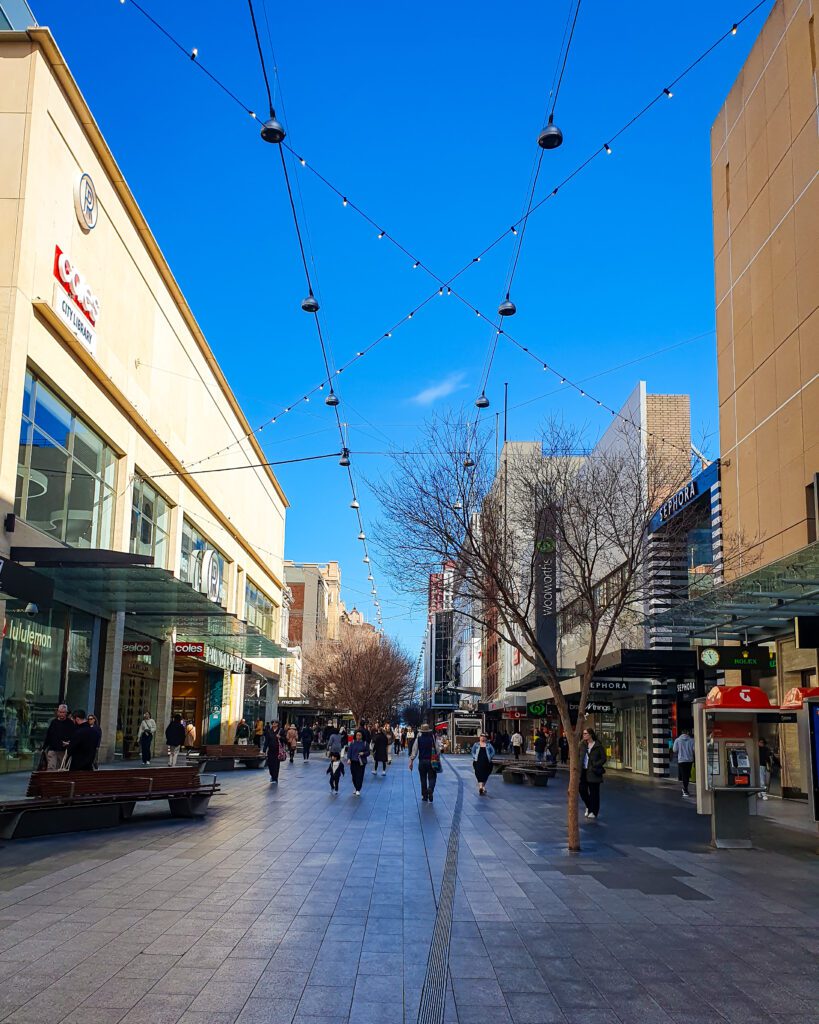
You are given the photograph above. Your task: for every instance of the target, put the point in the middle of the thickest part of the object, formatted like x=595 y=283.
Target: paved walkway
x=290 y=904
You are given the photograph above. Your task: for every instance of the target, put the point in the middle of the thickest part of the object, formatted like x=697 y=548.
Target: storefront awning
x=763 y=603
x=154 y=601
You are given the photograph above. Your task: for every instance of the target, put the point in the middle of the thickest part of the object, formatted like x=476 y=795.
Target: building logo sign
x=136 y=647
x=74 y=301
x=193 y=650
x=210 y=577
x=679 y=500
x=86 y=204
x=609 y=684
x=759 y=658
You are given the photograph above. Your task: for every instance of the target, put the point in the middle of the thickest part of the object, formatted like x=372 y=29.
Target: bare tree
x=367 y=674
x=450 y=504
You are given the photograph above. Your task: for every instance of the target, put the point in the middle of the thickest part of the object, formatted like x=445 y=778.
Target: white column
x=112 y=672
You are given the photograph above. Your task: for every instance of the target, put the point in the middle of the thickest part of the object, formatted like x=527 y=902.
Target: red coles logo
x=76 y=285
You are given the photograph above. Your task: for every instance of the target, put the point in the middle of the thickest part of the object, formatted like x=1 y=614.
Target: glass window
x=30 y=684
x=194 y=545
x=149 y=522
x=65 y=474
x=260 y=610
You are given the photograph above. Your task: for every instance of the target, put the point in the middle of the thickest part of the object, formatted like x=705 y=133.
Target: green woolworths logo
x=545 y=546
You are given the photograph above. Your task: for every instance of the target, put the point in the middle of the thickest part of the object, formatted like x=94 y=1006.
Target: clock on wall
x=709 y=657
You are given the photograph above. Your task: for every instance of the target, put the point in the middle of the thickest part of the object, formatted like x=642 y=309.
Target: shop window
x=150 y=522
x=259 y=610
x=65 y=473
x=194 y=546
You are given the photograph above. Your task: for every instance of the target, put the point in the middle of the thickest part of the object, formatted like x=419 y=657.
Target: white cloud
x=454 y=382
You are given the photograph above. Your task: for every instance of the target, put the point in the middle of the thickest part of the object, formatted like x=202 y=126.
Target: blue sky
x=426 y=116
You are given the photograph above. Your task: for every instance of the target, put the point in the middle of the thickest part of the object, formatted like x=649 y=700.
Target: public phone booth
x=726 y=751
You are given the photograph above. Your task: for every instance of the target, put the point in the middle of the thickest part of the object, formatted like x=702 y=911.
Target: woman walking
x=357 y=752
x=275 y=753
x=292 y=739
x=380 y=748
x=483 y=753
x=145 y=735
x=591 y=773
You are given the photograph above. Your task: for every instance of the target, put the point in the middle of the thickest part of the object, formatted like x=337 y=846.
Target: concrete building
x=765 y=183
x=126 y=582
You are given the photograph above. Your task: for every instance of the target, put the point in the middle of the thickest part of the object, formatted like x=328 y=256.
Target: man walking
x=57 y=737
x=174 y=737
x=684 y=749
x=82 y=749
x=517 y=744
x=307 y=737
x=425 y=749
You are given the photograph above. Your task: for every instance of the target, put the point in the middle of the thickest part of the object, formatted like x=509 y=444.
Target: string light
x=607 y=148
x=194 y=53
x=667 y=91
x=344 y=201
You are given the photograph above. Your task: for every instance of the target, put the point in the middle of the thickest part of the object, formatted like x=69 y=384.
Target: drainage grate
x=433 y=994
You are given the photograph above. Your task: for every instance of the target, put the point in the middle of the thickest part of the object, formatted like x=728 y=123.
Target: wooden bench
x=529 y=775
x=223 y=756
x=59 y=802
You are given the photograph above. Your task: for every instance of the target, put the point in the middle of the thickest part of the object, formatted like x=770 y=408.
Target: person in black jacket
x=425 y=749
x=174 y=737
x=593 y=760
x=82 y=749
x=57 y=737
x=273 y=748
x=307 y=737
x=94 y=724
x=380 y=748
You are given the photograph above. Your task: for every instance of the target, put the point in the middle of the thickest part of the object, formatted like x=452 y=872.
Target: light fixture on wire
x=482 y=402
x=507 y=307
x=458 y=506
x=354 y=503
x=310 y=304
x=607 y=148
x=366 y=559
x=468 y=462
x=362 y=536
x=551 y=137
x=272 y=130
x=668 y=93
x=371 y=577
x=345 y=457
x=332 y=398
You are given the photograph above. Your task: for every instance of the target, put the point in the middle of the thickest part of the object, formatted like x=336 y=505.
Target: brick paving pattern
x=290 y=904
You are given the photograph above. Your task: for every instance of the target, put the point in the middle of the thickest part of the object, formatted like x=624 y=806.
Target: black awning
x=638 y=663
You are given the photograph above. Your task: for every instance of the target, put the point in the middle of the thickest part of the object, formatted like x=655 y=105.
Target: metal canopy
x=155 y=602
x=630 y=663
x=754 y=606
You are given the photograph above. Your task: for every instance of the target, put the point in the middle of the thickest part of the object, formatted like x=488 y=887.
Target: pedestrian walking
x=307 y=737
x=145 y=736
x=335 y=770
x=94 y=725
x=765 y=766
x=396 y=741
x=174 y=737
x=258 y=733
x=242 y=733
x=82 y=748
x=292 y=739
x=335 y=744
x=591 y=772
x=58 y=736
x=425 y=749
x=563 y=746
x=683 y=748
x=380 y=746
x=517 y=744
x=483 y=753
x=275 y=753
x=357 y=752
x=190 y=736
x=541 y=744
x=403 y=739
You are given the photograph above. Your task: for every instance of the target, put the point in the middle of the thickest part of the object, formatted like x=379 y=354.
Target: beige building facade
x=765 y=180
x=111 y=398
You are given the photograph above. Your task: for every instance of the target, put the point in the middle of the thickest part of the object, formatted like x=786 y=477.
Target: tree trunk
x=573 y=821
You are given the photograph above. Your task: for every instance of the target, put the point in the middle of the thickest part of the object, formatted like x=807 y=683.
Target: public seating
x=58 y=802
x=529 y=775
x=216 y=757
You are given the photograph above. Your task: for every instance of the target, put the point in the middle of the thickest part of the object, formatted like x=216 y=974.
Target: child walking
x=335 y=770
